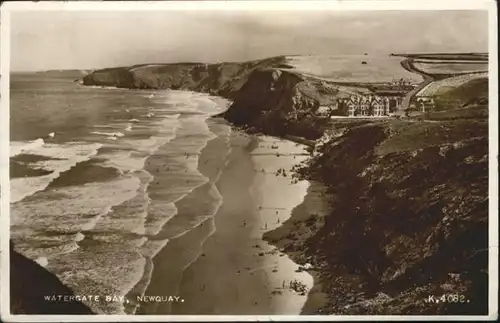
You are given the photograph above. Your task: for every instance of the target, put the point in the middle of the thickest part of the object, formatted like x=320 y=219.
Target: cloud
x=50 y=40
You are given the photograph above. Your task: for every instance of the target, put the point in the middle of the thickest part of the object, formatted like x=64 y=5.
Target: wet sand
x=224 y=266
x=306 y=219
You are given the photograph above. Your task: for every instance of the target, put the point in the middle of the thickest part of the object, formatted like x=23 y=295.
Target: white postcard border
x=8 y=7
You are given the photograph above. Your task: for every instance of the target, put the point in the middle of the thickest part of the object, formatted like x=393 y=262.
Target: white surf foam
x=42 y=261
x=111 y=269
x=65 y=157
x=19 y=147
x=109 y=134
x=73 y=208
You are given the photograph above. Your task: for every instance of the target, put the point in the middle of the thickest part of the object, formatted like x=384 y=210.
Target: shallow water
x=116 y=162
x=121 y=196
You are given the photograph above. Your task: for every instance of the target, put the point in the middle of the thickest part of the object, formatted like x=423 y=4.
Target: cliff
x=30 y=283
x=409 y=218
x=223 y=79
x=268 y=95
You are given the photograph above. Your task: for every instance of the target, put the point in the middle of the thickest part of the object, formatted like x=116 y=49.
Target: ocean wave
x=109 y=134
x=63 y=157
x=193 y=209
x=100 y=237
x=185 y=185
x=158 y=213
x=130 y=216
x=46 y=252
x=108 y=126
x=210 y=223
x=111 y=237
x=152 y=247
x=72 y=208
x=20 y=147
x=101 y=269
x=27 y=236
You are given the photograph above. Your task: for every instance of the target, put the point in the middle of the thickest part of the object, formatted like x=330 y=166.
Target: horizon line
x=236 y=61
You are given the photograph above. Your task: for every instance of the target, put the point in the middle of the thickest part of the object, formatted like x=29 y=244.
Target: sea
x=97 y=175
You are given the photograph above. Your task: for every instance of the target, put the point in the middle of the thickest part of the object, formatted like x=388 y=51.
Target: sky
x=43 y=40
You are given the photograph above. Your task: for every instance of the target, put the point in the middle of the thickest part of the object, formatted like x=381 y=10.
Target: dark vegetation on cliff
x=409 y=216
x=30 y=283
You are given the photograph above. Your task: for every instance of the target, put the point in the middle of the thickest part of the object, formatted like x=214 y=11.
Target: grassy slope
x=472 y=92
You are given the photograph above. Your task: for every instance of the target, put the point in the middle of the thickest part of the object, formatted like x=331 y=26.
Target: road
x=408 y=65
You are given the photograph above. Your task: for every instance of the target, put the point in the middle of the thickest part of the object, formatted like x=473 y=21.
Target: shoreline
x=289 y=238
x=236 y=266
x=277 y=194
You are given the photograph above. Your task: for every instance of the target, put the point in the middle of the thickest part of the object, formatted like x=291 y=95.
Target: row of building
x=362 y=105
x=373 y=106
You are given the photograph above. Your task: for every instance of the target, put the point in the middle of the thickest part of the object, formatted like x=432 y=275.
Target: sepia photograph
x=249 y=160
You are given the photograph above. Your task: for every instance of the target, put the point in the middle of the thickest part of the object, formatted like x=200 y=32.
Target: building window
x=351 y=110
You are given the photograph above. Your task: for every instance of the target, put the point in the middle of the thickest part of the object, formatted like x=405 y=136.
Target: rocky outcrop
x=30 y=284
x=272 y=101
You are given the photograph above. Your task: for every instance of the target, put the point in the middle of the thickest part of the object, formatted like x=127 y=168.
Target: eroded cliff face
x=409 y=218
x=271 y=101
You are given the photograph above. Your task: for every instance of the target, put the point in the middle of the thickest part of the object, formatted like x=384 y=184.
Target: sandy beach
x=304 y=222
x=224 y=266
x=276 y=194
